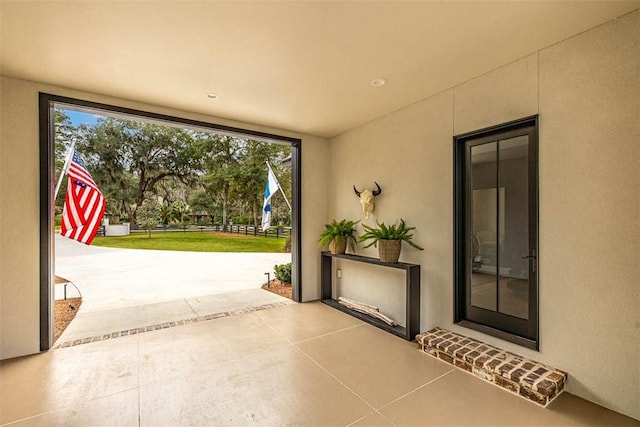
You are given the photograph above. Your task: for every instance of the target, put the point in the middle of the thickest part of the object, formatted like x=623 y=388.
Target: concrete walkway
x=129 y=288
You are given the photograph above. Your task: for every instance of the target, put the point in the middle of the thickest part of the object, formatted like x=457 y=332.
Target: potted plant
x=389 y=239
x=337 y=234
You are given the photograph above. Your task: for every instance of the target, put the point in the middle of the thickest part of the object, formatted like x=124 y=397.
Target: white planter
x=117 y=230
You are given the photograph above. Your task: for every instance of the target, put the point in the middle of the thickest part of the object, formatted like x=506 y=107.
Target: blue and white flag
x=272 y=187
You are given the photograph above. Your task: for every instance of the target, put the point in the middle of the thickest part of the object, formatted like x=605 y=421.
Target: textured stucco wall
x=586 y=91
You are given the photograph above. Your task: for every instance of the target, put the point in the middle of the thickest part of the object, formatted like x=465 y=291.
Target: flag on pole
x=84 y=203
x=272 y=187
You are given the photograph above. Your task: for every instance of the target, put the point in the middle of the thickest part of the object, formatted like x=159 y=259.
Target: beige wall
x=19 y=198
x=586 y=90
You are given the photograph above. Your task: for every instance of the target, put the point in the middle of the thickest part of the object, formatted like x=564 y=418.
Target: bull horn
x=356 y=190
x=378 y=191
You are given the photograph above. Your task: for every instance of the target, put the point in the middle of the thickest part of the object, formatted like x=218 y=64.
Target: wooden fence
x=276 y=232
x=247 y=230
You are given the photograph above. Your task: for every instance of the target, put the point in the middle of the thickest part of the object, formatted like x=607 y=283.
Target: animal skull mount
x=367 y=199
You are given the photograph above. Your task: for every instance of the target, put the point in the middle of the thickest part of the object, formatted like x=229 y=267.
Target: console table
x=412 y=274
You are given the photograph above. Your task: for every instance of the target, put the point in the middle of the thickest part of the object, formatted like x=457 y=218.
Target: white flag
x=271 y=188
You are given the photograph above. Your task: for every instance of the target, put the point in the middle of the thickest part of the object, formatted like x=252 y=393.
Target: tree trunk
x=139 y=197
x=127 y=209
x=225 y=208
x=255 y=213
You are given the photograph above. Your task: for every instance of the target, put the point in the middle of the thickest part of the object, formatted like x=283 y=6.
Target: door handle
x=534 y=258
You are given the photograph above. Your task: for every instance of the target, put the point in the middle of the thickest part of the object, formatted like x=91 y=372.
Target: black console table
x=412 y=273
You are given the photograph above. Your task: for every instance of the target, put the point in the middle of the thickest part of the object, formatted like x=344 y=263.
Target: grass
x=193 y=241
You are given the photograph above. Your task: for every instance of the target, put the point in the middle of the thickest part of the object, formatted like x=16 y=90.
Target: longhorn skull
x=367 y=198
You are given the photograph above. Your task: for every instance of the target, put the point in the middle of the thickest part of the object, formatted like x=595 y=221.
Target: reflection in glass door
x=496 y=231
x=499 y=274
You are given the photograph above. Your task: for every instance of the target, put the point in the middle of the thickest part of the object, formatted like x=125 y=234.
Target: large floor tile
x=61 y=378
x=298 y=322
x=245 y=369
x=190 y=349
x=459 y=399
x=378 y=366
x=372 y=420
x=572 y=410
x=276 y=388
x=120 y=409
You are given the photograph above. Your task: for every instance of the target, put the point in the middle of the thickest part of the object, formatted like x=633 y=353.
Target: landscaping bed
x=64 y=311
x=277 y=287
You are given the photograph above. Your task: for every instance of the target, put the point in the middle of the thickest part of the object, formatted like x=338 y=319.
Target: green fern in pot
x=337 y=235
x=389 y=238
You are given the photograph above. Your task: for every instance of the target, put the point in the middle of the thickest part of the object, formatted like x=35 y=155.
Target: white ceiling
x=301 y=66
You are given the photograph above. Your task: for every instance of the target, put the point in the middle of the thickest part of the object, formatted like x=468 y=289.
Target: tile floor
x=299 y=364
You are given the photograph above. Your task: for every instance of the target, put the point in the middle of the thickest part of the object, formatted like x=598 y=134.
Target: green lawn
x=193 y=241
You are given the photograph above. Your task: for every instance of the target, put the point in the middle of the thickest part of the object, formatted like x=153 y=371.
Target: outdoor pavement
x=130 y=288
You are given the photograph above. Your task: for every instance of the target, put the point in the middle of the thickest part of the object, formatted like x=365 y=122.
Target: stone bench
x=527 y=378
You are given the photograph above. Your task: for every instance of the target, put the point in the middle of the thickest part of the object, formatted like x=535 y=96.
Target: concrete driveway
x=128 y=288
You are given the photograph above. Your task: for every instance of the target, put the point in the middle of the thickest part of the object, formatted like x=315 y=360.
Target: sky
x=78 y=118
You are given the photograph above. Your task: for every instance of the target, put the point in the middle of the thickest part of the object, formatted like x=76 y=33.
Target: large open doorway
x=48 y=105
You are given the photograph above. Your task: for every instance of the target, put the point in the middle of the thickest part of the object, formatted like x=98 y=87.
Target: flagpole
x=65 y=168
x=280 y=187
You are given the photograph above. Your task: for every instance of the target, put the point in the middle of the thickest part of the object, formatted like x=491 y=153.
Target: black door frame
x=528 y=331
x=47 y=203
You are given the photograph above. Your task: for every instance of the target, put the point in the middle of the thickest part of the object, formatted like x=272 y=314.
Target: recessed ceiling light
x=211 y=95
x=378 y=82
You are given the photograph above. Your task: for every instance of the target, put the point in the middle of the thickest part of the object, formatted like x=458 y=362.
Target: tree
x=149 y=215
x=181 y=212
x=132 y=161
x=63 y=135
x=170 y=190
x=133 y=157
x=220 y=160
x=252 y=176
x=280 y=207
x=167 y=214
x=202 y=201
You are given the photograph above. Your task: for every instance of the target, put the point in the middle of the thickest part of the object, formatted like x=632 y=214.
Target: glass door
x=496 y=231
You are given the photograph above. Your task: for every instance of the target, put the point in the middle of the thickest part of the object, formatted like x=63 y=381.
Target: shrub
x=148 y=215
x=283 y=272
x=242 y=220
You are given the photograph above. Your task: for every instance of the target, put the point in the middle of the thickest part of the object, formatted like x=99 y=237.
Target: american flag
x=84 y=204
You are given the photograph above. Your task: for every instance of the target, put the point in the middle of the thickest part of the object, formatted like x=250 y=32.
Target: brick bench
x=527 y=378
